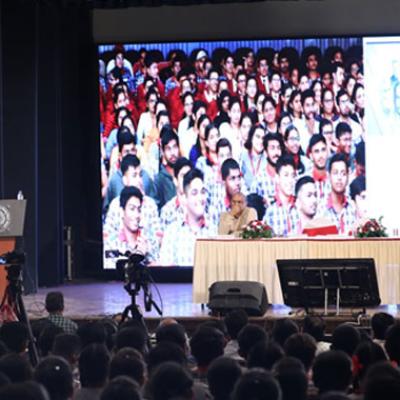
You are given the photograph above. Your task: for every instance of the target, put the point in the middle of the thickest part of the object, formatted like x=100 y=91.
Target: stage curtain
x=47 y=111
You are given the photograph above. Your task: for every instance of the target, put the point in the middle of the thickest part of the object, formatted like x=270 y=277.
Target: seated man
x=233 y=221
x=55 y=307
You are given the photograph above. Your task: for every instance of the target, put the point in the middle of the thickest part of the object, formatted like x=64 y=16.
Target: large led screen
x=186 y=126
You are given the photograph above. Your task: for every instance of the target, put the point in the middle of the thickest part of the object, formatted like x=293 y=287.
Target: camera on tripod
x=13 y=261
x=133 y=269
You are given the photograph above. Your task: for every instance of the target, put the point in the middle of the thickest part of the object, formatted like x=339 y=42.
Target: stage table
x=225 y=259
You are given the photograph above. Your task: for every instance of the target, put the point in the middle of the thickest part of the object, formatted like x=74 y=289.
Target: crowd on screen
x=221 y=359
x=181 y=134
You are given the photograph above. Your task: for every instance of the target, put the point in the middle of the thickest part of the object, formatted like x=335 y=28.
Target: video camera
x=13 y=261
x=131 y=267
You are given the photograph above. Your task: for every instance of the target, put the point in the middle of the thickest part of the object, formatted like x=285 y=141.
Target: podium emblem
x=5 y=218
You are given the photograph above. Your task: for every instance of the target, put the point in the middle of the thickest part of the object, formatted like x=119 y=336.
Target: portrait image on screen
x=186 y=126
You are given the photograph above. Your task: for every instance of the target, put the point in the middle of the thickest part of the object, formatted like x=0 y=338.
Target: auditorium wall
x=258 y=19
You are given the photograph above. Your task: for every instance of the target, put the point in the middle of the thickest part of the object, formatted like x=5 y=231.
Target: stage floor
x=88 y=301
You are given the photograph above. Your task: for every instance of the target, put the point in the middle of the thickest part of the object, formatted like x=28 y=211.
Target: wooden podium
x=12 y=217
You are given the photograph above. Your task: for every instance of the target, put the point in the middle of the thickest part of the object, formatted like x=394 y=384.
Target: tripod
x=12 y=304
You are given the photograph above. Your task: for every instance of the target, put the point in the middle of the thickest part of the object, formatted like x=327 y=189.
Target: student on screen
x=126 y=145
x=253 y=158
x=318 y=153
x=133 y=176
x=345 y=111
x=163 y=181
x=130 y=236
x=338 y=207
x=174 y=209
x=179 y=238
x=264 y=184
x=269 y=114
x=222 y=193
x=278 y=213
x=306 y=204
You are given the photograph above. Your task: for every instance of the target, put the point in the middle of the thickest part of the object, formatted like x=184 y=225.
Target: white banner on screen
x=382 y=118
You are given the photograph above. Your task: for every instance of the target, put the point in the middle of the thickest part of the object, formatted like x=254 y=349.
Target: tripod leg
x=23 y=317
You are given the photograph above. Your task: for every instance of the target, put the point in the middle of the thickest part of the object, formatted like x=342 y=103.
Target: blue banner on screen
x=187 y=127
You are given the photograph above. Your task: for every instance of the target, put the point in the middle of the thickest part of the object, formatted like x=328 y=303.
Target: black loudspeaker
x=226 y=296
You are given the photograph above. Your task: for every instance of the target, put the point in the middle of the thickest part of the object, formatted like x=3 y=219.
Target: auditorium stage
x=96 y=300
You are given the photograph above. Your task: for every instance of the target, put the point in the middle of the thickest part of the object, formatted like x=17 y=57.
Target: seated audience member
x=303 y=347
x=121 y=388
x=46 y=339
x=332 y=371
x=128 y=362
x=278 y=213
x=365 y=356
x=264 y=354
x=306 y=204
x=171 y=381
x=132 y=337
x=92 y=332
x=164 y=181
x=382 y=382
x=172 y=333
x=292 y=378
x=392 y=343
x=16 y=367
x=163 y=352
x=248 y=337
x=206 y=345
x=222 y=376
x=257 y=384
x=94 y=364
x=55 y=375
x=235 y=320
x=68 y=346
x=55 y=307
x=15 y=336
x=174 y=209
x=233 y=221
x=314 y=325
x=23 y=391
x=345 y=337
x=380 y=323
x=282 y=329
x=177 y=247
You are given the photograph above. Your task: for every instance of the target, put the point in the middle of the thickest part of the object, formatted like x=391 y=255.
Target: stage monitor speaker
x=226 y=296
